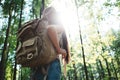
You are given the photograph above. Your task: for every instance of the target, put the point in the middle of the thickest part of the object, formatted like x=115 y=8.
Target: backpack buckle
x=30 y=56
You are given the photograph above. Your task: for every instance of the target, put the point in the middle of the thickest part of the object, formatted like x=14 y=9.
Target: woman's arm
x=52 y=33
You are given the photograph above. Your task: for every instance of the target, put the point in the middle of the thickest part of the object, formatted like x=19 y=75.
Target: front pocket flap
x=29 y=42
x=18 y=48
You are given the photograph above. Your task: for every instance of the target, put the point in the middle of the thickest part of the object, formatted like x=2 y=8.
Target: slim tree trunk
x=91 y=72
x=68 y=75
x=75 y=72
x=83 y=55
x=42 y=7
x=102 y=70
x=103 y=50
x=118 y=62
x=107 y=66
x=15 y=66
x=116 y=76
x=4 y=52
x=34 y=11
x=99 y=70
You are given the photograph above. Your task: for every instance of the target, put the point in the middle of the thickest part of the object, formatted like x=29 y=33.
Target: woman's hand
x=63 y=52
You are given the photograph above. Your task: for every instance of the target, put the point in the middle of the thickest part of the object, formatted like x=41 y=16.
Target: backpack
x=35 y=48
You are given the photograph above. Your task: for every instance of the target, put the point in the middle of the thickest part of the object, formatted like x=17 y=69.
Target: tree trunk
x=98 y=69
x=91 y=72
x=83 y=55
x=33 y=9
x=102 y=70
x=4 y=52
x=42 y=7
x=118 y=62
x=107 y=66
x=75 y=72
x=103 y=50
x=69 y=76
x=116 y=76
x=15 y=66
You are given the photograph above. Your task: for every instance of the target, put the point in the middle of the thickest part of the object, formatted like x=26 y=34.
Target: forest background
x=93 y=29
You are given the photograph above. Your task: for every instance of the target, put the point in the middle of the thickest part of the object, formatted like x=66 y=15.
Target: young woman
x=58 y=38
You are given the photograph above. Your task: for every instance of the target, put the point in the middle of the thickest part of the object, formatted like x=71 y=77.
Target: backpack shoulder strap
x=38 y=21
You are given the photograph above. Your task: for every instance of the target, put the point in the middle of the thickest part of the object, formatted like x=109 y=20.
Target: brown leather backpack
x=35 y=48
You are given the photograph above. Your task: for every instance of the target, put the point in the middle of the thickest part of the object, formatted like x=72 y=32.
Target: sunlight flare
x=67 y=15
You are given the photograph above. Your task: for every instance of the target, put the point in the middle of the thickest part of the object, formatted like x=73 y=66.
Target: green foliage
x=1 y=38
x=117 y=3
x=9 y=70
x=36 y=7
x=110 y=3
x=6 y=7
x=25 y=73
x=15 y=5
x=115 y=47
x=116 y=44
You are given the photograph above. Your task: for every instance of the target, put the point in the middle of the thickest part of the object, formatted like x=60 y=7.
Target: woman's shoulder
x=58 y=28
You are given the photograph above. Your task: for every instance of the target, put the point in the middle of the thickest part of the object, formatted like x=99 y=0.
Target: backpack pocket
x=28 y=50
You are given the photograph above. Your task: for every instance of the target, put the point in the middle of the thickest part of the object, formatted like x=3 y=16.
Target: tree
x=15 y=64
x=115 y=72
x=81 y=40
x=115 y=47
x=5 y=52
x=42 y=7
x=100 y=69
